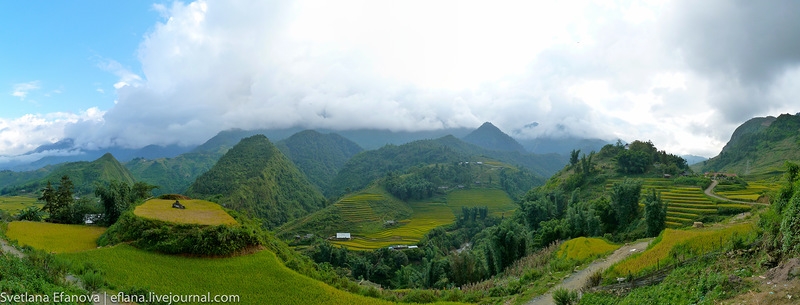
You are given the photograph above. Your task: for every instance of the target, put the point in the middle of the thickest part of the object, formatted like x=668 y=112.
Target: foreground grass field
x=691 y=241
x=14 y=204
x=582 y=248
x=197 y=212
x=52 y=237
x=427 y=215
x=258 y=278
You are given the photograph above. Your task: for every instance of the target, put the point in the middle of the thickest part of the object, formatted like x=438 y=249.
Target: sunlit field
x=53 y=237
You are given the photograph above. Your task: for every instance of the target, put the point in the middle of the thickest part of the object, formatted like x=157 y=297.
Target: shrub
x=92 y=280
x=419 y=296
x=594 y=280
x=171 y=238
x=30 y=213
x=563 y=296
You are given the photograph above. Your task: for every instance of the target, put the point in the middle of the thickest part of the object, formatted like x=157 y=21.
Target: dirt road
x=710 y=192
x=576 y=280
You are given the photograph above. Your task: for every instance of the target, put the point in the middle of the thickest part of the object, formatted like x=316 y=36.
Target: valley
x=316 y=218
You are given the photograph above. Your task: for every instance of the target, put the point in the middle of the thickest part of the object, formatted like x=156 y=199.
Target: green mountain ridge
x=319 y=156
x=254 y=177
x=759 y=146
x=173 y=175
x=84 y=175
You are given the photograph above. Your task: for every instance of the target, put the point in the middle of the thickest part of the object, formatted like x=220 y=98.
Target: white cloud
x=21 y=90
x=630 y=69
x=23 y=134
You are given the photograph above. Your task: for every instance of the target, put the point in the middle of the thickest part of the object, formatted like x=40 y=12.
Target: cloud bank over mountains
x=683 y=74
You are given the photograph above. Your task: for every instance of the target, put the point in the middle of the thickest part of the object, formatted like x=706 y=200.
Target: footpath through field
x=577 y=280
x=710 y=192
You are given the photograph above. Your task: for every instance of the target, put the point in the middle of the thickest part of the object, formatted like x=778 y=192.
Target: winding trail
x=577 y=280
x=710 y=192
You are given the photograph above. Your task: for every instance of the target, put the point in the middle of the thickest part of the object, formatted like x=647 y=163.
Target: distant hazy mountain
x=562 y=146
x=65 y=151
x=83 y=174
x=490 y=137
x=760 y=145
x=254 y=177
x=692 y=159
x=319 y=156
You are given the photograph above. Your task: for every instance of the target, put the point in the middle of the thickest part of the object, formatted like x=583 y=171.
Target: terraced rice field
x=685 y=203
x=426 y=216
x=753 y=191
x=14 y=204
x=357 y=208
x=497 y=201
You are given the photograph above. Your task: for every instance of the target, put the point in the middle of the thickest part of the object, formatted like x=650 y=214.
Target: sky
x=683 y=74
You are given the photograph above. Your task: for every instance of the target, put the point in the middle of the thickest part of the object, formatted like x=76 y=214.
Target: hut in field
x=343 y=236
x=178 y=205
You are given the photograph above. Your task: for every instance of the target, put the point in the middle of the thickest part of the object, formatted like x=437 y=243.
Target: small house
x=178 y=205
x=343 y=236
x=91 y=218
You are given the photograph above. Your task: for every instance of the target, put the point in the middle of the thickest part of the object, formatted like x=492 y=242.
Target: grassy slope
x=197 y=212
x=52 y=237
x=258 y=278
x=697 y=240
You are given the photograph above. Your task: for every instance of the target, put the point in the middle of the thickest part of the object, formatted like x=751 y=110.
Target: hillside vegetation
x=255 y=178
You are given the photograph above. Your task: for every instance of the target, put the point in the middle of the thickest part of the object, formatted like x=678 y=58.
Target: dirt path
x=710 y=192
x=576 y=280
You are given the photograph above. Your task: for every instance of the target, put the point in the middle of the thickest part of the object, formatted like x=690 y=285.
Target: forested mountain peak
x=760 y=145
x=319 y=156
x=84 y=175
x=256 y=178
x=490 y=137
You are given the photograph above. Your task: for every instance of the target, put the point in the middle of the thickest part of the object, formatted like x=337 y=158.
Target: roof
x=342 y=235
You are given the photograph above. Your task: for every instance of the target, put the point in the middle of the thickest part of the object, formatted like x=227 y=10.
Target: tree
x=142 y=190
x=115 y=198
x=573 y=157
x=58 y=201
x=49 y=198
x=655 y=213
x=625 y=200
